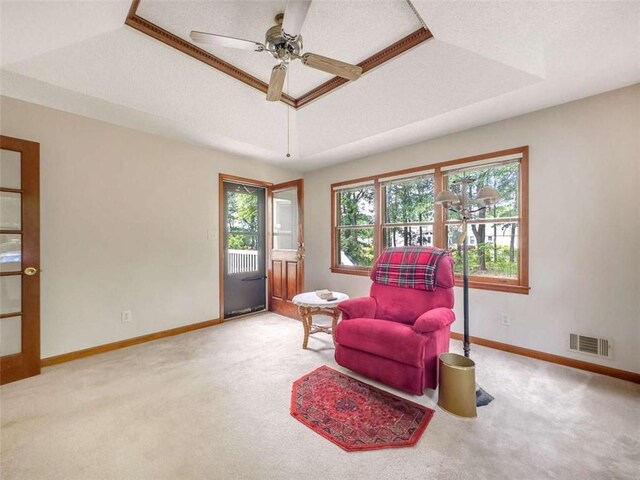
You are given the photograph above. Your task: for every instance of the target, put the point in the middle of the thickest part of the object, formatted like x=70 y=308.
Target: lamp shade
x=447 y=198
x=487 y=196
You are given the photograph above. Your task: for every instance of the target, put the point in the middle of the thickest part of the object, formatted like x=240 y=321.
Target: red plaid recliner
x=397 y=333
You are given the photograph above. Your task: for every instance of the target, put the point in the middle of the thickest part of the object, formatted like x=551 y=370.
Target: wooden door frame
x=27 y=362
x=223 y=177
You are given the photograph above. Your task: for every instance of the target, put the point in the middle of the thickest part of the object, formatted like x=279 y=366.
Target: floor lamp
x=463 y=205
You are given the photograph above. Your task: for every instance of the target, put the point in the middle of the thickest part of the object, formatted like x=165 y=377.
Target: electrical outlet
x=504 y=320
x=125 y=316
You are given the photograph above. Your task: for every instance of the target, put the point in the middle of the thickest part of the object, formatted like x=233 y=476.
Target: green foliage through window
x=407 y=215
x=356 y=209
x=493 y=246
x=409 y=212
x=242 y=220
x=495 y=256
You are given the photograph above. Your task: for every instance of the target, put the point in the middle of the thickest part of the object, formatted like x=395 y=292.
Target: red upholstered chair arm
x=363 y=307
x=433 y=320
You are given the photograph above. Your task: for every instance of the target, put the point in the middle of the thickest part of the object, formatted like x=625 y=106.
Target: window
x=493 y=234
x=355 y=226
x=242 y=219
x=285 y=219
x=397 y=209
x=408 y=211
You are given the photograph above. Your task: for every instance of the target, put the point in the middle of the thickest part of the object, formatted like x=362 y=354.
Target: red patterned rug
x=354 y=415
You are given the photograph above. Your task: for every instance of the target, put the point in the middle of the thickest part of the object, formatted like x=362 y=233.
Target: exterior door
x=287 y=246
x=19 y=259
x=245 y=278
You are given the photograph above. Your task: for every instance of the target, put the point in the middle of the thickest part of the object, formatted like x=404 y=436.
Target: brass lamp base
x=457 y=390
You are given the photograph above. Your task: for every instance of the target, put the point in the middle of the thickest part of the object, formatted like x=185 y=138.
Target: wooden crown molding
x=407 y=43
x=158 y=33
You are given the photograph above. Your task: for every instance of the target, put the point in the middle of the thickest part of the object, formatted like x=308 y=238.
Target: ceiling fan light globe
x=487 y=196
x=447 y=198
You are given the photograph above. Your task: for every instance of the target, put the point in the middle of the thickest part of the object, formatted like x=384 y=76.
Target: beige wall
x=584 y=225
x=125 y=222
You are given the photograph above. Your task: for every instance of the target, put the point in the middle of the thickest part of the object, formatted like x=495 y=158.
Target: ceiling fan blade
x=276 y=83
x=223 y=41
x=294 y=14
x=330 y=65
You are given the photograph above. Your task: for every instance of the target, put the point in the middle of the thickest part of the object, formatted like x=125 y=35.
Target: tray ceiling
x=487 y=61
x=351 y=31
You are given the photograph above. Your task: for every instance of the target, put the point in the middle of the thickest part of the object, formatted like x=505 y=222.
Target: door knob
x=301 y=251
x=30 y=271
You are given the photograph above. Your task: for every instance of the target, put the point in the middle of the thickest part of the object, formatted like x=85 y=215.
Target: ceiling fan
x=284 y=42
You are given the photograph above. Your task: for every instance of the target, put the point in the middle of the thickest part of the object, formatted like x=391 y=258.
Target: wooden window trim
x=519 y=285
x=345 y=269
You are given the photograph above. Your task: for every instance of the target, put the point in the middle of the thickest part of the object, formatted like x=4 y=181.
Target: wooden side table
x=310 y=304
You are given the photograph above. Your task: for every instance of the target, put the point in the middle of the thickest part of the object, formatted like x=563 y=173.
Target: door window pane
x=10 y=252
x=285 y=219
x=10 y=169
x=355 y=247
x=242 y=210
x=243 y=257
x=493 y=249
x=242 y=229
x=10 y=335
x=11 y=294
x=10 y=211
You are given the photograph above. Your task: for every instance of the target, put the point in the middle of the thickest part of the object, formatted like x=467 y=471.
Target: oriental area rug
x=356 y=416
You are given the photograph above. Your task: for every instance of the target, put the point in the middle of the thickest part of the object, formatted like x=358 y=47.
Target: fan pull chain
x=288 y=122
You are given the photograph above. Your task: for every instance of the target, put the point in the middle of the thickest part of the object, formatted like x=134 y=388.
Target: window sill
x=495 y=286
x=483 y=285
x=363 y=272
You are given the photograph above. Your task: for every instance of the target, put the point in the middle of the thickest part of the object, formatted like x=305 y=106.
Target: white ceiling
x=348 y=31
x=488 y=61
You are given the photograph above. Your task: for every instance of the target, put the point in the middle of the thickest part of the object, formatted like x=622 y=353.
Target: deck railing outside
x=241 y=261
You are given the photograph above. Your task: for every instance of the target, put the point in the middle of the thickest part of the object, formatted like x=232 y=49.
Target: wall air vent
x=600 y=347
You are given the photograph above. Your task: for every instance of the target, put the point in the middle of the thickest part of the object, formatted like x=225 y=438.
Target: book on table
x=324 y=294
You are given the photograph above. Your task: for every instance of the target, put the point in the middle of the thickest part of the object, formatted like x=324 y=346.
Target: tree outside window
x=355 y=229
x=408 y=212
x=242 y=220
x=493 y=235
x=397 y=209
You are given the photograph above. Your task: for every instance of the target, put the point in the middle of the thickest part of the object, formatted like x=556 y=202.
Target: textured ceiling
x=347 y=31
x=488 y=61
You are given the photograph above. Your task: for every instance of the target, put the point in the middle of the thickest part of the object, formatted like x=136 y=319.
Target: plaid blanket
x=408 y=267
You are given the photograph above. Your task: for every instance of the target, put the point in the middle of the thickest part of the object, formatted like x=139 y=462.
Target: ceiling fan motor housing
x=279 y=44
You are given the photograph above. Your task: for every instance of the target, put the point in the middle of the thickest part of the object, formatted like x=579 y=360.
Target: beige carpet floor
x=214 y=404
